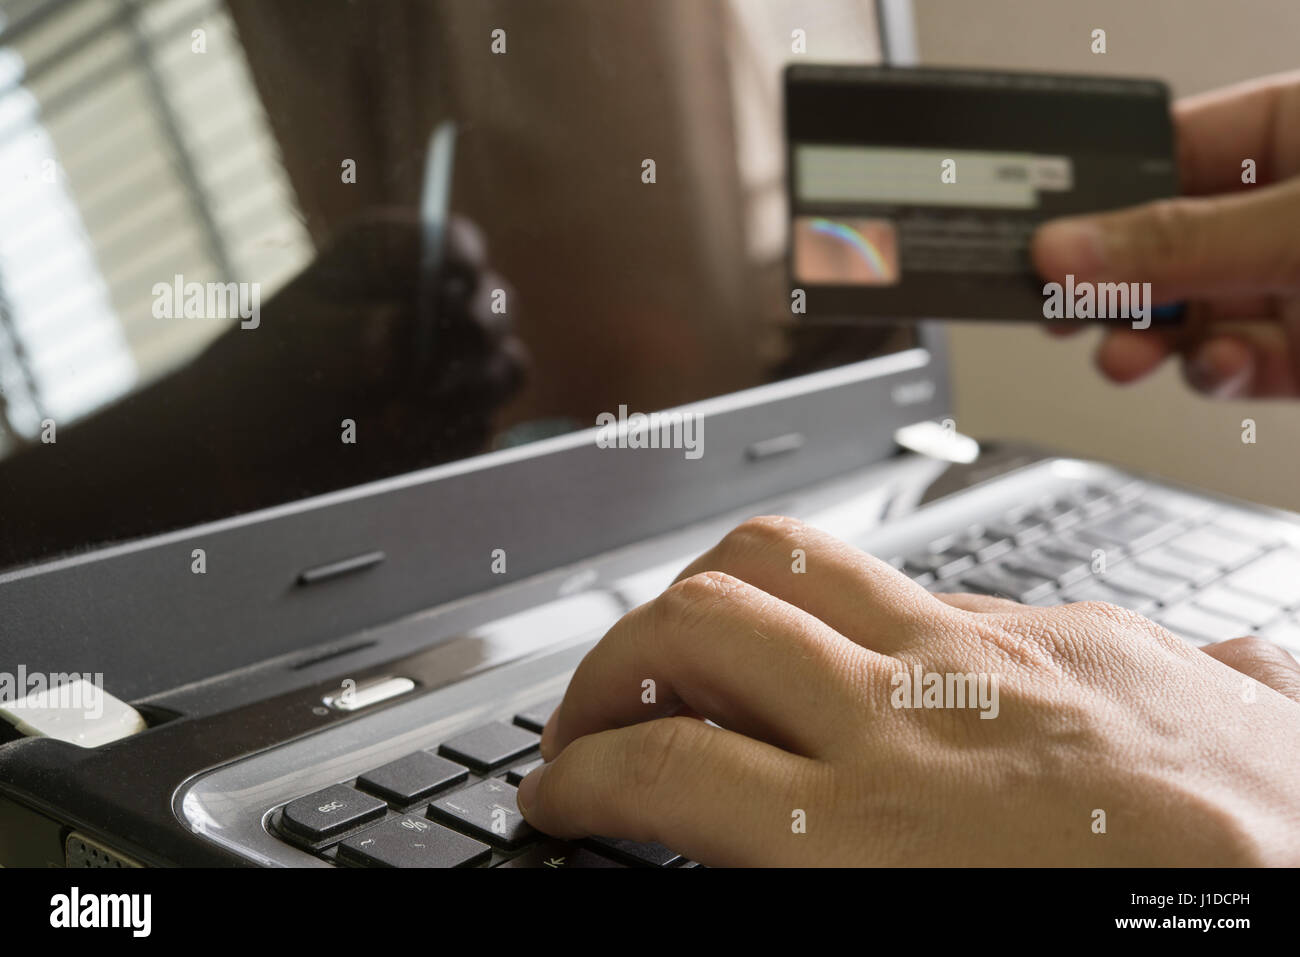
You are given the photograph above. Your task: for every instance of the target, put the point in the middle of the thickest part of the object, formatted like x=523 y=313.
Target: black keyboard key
x=1166 y=561
x=924 y=579
x=651 y=854
x=1021 y=586
x=1128 y=530
x=1094 y=590
x=489 y=746
x=1019 y=526
x=413 y=777
x=1091 y=500
x=488 y=810
x=1058 y=514
x=558 y=855
x=332 y=811
x=982 y=546
x=1133 y=578
x=535 y=718
x=1068 y=547
x=1062 y=569
x=412 y=842
x=520 y=771
x=939 y=564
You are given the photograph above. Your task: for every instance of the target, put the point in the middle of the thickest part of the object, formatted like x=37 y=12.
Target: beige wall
x=1017 y=382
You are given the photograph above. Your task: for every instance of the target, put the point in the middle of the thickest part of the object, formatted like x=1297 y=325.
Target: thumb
x=1236 y=243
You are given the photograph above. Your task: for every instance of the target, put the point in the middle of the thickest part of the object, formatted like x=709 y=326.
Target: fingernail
x=528 y=787
x=1206 y=376
x=548 y=736
x=1074 y=246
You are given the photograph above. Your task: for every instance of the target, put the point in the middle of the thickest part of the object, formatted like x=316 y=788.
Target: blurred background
x=125 y=159
x=1058 y=398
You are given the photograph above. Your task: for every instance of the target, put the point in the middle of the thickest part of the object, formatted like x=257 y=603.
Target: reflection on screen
x=210 y=246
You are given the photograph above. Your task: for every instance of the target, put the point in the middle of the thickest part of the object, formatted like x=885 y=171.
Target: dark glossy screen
x=214 y=284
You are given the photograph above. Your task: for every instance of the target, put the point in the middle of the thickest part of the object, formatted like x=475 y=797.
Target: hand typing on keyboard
x=859 y=719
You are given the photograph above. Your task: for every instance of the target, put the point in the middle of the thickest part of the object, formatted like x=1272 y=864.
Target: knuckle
x=694 y=599
x=759 y=533
x=1109 y=619
x=1112 y=614
x=1026 y=642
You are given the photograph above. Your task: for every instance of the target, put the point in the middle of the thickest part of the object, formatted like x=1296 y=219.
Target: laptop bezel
x=135 y=607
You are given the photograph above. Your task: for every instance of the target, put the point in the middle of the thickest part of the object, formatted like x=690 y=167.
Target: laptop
x=343 y=604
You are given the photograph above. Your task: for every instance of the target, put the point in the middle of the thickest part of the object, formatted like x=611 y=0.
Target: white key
x=1275 y=577
x=1201 y=627
x=1225 y=601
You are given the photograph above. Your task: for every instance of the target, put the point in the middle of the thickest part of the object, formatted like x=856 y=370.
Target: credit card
x=915 y=191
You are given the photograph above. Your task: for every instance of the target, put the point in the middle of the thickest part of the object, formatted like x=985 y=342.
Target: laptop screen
x=223 y=282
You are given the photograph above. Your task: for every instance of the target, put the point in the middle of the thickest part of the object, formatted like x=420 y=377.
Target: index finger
x=1217 y=130
x=726 y=651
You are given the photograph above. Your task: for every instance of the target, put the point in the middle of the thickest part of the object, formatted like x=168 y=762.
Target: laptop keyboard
x=1204 y=570
x=450 y=806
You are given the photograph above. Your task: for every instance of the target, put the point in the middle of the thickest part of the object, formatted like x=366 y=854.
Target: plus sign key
x=487 y=810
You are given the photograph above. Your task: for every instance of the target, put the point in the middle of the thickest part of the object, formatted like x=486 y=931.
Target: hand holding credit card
x=915 y=192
